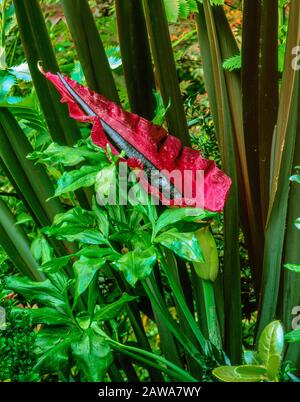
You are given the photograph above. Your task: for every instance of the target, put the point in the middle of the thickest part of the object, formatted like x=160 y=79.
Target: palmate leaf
x=93 y=355
x=53 y=348
x=55 y=264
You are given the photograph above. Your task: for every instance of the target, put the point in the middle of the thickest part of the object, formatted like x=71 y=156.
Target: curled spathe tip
x=40 y=67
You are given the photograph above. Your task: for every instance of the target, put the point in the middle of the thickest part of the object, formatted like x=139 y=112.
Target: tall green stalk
x=165 y=68
x=30 y=180
x=37 y=47
x=136 y=57
x=207 y=29
x=90 y=48
x=284 y=143
x=16 y=245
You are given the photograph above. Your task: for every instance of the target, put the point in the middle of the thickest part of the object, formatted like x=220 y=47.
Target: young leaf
x=249 y=373
x=270 y=348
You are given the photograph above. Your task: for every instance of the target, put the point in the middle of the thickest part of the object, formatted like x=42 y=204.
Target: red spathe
x=164 y=151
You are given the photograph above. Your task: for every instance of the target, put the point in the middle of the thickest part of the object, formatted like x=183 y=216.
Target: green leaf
x=41 y=249
x=76 y=225
x=251 y=373
x=251 y=357
x=105 y=181
x=54 y=348
x=293 y=336
x=112 y=310
x=297 y=223
x=71 y=181
x=183 y=244
x=295 y=178
x=209 y=269
x=77 y=233
x=136 y=264
x=174 y=215
x=97 y=252
x=293 y=267
x=270 y=348
x=85 y=270
x=55 y=264
x=233 y=63
x=21 y=72
x=172 y=9
x=68 y=156
x=101 y=218
x=93 y=355
x=43 y=292
x=44 y=315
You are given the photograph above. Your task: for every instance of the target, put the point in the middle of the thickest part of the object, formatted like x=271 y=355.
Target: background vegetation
x=138 y=293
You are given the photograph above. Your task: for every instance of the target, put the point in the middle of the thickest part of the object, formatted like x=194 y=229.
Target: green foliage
x=233 y=63
x=176 y=9
x=66 y=335
x=17 y=356
x=263 y=365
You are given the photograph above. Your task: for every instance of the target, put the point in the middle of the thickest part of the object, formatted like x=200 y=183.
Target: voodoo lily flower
x=183 y=173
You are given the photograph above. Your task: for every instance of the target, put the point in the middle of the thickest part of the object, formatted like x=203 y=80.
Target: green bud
x=207 y=270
